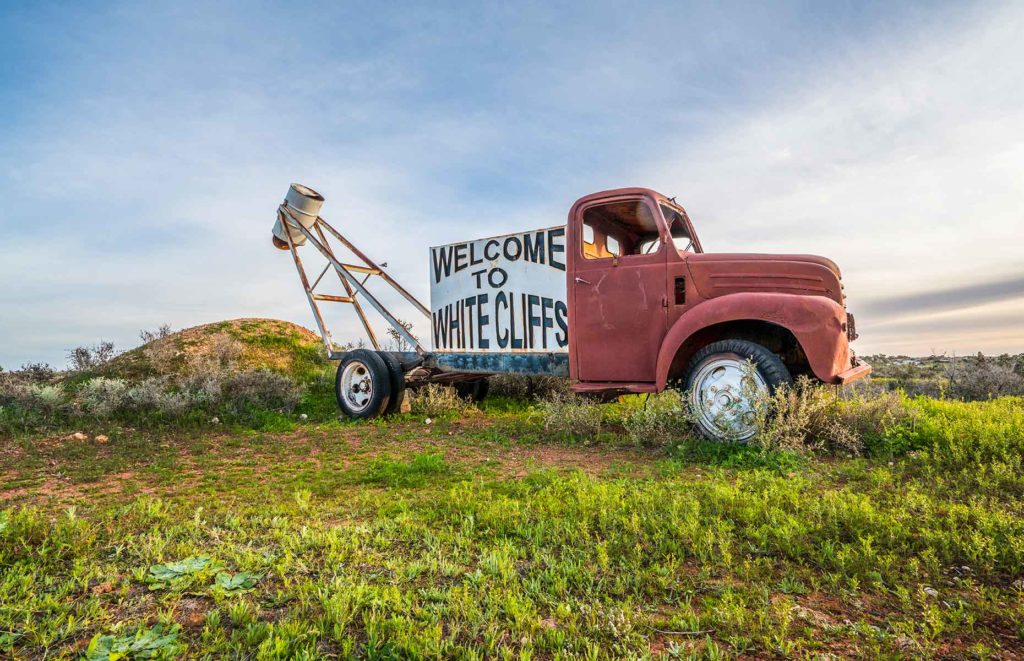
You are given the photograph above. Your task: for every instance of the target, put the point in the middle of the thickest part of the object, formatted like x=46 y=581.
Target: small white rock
x=303 y=417
x=931 y=592
x=427 y=421
x=214 y=420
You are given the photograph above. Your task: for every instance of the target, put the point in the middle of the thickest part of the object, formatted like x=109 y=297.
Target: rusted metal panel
x=618 y=302
x=502 y=294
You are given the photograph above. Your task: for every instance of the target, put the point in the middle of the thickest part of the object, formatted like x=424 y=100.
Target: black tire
x=397 y=383
x=768 y=366
x=482 y=388
x=474 y=390
x=370 y=370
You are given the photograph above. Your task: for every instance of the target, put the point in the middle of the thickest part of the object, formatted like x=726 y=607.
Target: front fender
x=818 y=323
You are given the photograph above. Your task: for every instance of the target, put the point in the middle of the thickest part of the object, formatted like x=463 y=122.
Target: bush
x=812 y=417
x=981 y=379
x=234 y=392
x=154 y=395
x=220 y=354
x=788 y=418
x=102 y=396
x=161 y=354
x=86 y=358
x=147 y=336
x=572 y=416
x=663 y=419
x=259 y=388
x=35 y=373
x=435 y=399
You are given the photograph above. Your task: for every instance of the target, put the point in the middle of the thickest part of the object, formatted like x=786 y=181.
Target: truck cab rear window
x=619 y=229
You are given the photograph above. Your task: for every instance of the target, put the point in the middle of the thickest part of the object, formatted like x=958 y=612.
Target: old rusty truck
x=621 y=299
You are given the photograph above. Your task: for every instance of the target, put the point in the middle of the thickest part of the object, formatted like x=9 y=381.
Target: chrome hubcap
x=724 y=397
x=356 y=385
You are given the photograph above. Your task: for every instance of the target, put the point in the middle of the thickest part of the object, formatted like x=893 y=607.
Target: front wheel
x=363 y=384
x=725 y=381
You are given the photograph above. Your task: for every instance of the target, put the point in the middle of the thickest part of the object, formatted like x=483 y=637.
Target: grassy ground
x=482 y=536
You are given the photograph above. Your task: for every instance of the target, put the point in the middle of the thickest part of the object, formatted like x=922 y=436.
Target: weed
x=157 y=642
x=571 y=416
x=388 y=472
x=662 y=420
x=437 y=400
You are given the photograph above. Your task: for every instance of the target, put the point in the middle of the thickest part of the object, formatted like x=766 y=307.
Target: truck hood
x=718 y=274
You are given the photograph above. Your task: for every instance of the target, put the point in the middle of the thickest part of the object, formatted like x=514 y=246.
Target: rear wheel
x=397 y=378
x=363 y=384
x=725 y=380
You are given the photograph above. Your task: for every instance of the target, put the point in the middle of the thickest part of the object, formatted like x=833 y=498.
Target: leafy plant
x=235 y=583
x=158 y=642
x=173 y=573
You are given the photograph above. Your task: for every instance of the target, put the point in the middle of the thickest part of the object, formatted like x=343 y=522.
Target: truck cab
x=648 y=309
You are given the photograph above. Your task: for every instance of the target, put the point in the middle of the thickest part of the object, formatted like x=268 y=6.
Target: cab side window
x=620 y=229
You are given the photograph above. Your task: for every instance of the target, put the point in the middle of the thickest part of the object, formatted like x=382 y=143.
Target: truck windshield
x=678 y=229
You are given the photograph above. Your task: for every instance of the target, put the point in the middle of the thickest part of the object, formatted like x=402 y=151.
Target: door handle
x=581 y=280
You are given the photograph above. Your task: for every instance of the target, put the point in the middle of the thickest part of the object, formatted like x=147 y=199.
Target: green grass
x=483 y=536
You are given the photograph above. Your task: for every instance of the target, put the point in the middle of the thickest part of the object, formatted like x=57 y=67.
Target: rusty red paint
x=634 y=320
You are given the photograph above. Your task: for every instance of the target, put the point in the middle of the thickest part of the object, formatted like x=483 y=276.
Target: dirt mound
x=247 y=343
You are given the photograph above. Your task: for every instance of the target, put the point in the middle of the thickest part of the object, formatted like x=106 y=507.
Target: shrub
x=102 y=396
x=982 y=379
x=86 y=358
x=44 y=399
x=259 y=388
x=161 y=354
x=47 y=399
x=147 y=336
x=788 y=418
x=663 y=419
x=236 y=392
x=571 y=416
x=435 y=399
x=153 y=395
x=874 y=422
x=221 y=353
x=813 y=417
x=35 y=372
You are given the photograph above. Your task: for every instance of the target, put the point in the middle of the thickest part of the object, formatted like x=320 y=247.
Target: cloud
x=146 y=149
x=960 y=298
x=901 y=158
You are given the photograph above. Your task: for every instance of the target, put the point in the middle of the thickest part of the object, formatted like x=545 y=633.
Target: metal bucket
x=303 y=204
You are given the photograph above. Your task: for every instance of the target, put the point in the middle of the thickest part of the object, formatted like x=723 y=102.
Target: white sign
x=505 y=293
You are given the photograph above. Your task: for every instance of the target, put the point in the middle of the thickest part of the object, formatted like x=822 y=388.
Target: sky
x=144 y=148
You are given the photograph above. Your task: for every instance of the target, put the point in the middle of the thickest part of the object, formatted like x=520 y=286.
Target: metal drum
x=303 y=205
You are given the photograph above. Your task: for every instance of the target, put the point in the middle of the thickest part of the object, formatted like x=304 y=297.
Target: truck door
x=618 y=316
